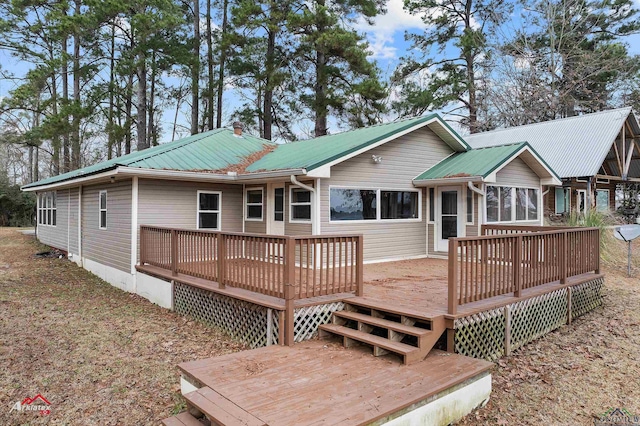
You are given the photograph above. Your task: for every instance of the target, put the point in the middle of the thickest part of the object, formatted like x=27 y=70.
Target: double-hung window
x=209 y=209
x=47 y=210
x=102 y=204
x=300 y=205
x=254 y=203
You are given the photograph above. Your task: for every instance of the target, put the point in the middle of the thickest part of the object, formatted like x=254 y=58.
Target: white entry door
x=449 y=219
x=275 y=209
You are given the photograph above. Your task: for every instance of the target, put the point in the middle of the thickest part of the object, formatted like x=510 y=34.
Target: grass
x=98 y=354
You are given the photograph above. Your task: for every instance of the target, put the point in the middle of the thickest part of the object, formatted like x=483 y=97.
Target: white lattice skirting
x=252 y=324
x=494 y=333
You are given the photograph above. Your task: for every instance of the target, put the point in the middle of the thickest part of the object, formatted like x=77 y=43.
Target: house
x=407 y=186
x=593 y=154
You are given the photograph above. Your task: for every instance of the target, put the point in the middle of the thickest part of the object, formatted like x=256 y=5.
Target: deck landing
x=319 y=382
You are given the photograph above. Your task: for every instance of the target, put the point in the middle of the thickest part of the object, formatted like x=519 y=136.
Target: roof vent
x=237 y=128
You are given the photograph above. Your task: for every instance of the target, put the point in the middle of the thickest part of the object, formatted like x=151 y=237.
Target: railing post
x=143 y=255
x=222 y=259
x=597 y=244
x=564 y=258
x=289 y=288
x=360 y=266
x=453 y=276
x=174 y=252
x=517 y=266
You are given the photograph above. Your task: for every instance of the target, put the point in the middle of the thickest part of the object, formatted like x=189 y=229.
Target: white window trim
x=513 y=205
x=247 y=204
x=100 y=209
x=219 y=211
x=292 y=204
x=44 y=209
x=555 y=200
x=473 y=207
x=435 y=203
x=378 y=218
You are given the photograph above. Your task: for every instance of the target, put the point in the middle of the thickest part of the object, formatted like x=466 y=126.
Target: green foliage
x=17 y=208
x=596 y=219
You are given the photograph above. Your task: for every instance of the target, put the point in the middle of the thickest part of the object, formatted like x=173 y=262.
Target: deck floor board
x=320 y=382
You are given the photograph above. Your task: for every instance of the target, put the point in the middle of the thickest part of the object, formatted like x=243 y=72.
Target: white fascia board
x=550 y=178
x=72 y=182
x=447 y=181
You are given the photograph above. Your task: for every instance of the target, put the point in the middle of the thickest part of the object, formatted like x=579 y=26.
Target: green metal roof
x=313 y=153
x=213 y=150
x=476 y=162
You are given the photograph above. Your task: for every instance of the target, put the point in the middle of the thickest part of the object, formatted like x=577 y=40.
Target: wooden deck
x=319 y=382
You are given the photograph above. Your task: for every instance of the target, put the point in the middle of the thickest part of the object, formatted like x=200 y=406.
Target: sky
x=386 y=42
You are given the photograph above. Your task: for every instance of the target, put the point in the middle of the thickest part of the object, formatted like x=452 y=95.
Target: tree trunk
x=112 y=81
x=128 y=106
x=195 y=69
x=209 y=69
x=55 y=139
x=66 y=158
x=30 y=171
x=268 y=89
x=75 y=135
x=151 y=134
x=142 y=103
x=321 y=110
x=223 y=59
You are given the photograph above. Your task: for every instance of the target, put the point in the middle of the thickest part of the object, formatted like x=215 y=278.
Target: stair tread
x=182 y=419
x=371 y=339
x=384 y=323
x=219 y=409
x=382 y=306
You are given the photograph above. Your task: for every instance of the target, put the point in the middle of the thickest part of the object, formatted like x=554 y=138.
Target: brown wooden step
x=182 y=419
x=220 y=410
x=381 y=306
x=383 y=323
x=407 y=352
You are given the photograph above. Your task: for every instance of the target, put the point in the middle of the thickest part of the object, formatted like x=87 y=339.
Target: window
x=526 y=204
x=209 y=210
x=602 y=200
x=503 y=200
x=469 y=206
x=362 y=204
x=278 y=204
x=398 y=205
x=47 y=211
x=254 y=199
x=300 y=204
x=563 y=200
x=102 y=201
x=432 y=205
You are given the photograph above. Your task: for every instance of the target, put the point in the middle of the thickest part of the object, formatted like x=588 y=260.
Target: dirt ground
x=103 y=356
x=97 y=354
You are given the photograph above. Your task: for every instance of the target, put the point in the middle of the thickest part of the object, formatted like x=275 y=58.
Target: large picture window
x=373 y=204
x=209 y=210
x=102 y=204
x=47 y=210
x=254 y=201
x=300 y=205
x=504 y=201
x=602 y=200
x=398 y=205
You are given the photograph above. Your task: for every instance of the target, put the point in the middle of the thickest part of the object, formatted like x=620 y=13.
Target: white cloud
x=381 y=34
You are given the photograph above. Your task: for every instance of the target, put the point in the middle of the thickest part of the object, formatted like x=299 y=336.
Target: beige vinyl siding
x=257 y=226
x=518 y=174
x=111 y=246
x=73 y=220
x=431 y=229
x=56 y=236
x=402 y=160
x=295 y=228
x=472 y=230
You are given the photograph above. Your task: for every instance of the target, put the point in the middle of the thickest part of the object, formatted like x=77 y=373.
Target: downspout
x=68 y=222
x=314 y=218
x=80 y=225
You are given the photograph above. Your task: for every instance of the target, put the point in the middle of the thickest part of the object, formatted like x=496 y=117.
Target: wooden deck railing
x=282 y=266
x=493 y=265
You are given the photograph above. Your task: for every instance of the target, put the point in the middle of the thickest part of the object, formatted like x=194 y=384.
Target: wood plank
x=397 y=347
x=383 y=323
x=221 y=410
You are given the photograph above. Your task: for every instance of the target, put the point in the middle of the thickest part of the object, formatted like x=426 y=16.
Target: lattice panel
x=537 y=316
x=308 y=319
x=481 y=335
x=242 y=320
x=275 y=328
x=586 y=297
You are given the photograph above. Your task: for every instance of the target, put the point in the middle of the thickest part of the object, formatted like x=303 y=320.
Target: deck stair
x=217 y=410
x=386 y=331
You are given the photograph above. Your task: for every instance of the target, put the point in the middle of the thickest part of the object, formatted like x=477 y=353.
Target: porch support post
x=569 y=305
x=564 y=255
x=360 y=266
x=517 y=266
x=174 y=252
x=453 y=276
x=289 y=288
x=507 y=330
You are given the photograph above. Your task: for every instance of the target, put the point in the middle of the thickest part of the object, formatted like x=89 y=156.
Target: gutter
x=472 y=187
x=445 y=181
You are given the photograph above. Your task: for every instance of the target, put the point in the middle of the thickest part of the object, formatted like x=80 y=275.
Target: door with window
x=276 y=209
x=449 y=217
x=582 y=201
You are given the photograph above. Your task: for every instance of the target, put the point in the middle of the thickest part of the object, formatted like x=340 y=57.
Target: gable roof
x=217 y=151
x=482 y=163
x=314 y=153
x=209 y=151
x=573 y=146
